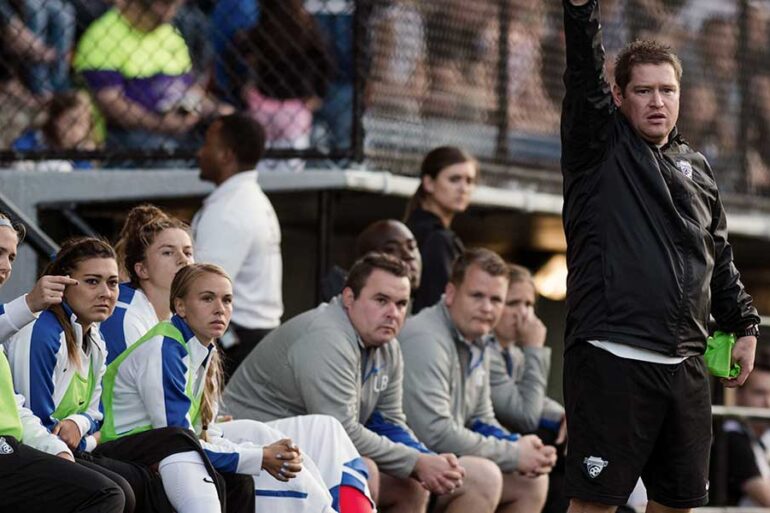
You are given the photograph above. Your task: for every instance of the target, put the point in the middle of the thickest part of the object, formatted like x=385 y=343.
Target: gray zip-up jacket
x=518 y=378
x=316 y=363
x=446 y=390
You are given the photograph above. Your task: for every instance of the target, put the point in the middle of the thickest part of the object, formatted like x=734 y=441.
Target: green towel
x=719 y=353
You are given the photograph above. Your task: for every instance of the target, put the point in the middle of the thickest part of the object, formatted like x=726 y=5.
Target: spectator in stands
x=288 y=72
x=53 y=22
x=333 y=121
x=661 y=20
x=193 y=21
x=58 y=362
x=151 y=248
x=748 y=442
x=520 y=363
x=711 y=105
x=530 y=110
x=237 y=229
x=342 y=359
x=138 y=68
x=758 y=57
x=228 y=18
x=447 y=180
x=397 y=81
x=446 y=383
x=384 y=236
x=141 y=392
x=32 y=458
x=67 y=126
x=18 y=45
x=460 y=39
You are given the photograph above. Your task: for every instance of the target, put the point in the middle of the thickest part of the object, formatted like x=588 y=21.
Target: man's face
x=650 y=101
x=378 y=313
x=213 y=155
x=397 y=240
x=9 y=241
x=477 y=303
x=755 y=392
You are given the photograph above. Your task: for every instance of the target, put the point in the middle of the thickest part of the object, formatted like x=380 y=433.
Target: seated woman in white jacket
x=37 y=468
x=151 y=248
x=58 y=362
x=172 y=377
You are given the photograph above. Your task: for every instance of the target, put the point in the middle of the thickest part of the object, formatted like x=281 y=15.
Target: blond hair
x=212 y=389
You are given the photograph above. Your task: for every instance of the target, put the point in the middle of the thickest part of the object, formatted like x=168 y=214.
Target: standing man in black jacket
x=648 y=262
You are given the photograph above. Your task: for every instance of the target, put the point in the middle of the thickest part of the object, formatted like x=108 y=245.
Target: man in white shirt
x=237 y=229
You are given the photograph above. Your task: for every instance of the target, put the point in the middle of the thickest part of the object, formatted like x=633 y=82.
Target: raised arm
x=587 y=106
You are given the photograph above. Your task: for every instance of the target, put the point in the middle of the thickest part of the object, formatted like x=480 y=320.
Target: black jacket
x=439 y=247
x=647 y=246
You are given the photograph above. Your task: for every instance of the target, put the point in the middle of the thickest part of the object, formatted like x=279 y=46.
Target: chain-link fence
x=487 y=75
x=125 y=81
x=97 y=83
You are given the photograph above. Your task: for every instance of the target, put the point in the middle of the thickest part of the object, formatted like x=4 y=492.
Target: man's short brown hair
x=644 y=51
x=364 y=266
x=485 y=259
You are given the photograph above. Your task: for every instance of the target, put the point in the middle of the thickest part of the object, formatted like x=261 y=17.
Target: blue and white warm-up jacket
x=132 y=318
x=14 y=316
x=150 y=390
x=43 y=371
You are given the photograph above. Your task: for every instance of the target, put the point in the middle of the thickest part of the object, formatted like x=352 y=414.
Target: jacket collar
x=230 y=185
x=183 y=327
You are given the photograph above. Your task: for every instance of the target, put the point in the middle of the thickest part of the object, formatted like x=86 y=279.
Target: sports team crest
x=5 y=447
x=685 y=167
x=594 y=466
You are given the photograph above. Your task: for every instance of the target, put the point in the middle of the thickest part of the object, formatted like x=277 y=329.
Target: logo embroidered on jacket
x=594 y=466
x=685 y=167
x=5 y=447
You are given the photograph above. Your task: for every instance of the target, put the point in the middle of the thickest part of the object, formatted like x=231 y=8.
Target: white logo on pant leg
x=594 y=465
x=5 y=447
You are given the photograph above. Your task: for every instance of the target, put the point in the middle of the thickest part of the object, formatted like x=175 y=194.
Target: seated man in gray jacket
x=343 y=359
x=520 y=362
x=446 y=381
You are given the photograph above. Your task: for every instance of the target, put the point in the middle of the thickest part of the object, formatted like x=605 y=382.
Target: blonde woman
x=183 y=391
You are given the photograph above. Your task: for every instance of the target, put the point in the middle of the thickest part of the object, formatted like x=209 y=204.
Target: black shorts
x=628 y=419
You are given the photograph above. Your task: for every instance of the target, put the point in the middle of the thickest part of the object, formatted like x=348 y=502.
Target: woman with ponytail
x=37 y=469
x=58 y=362
x=172 y=377
x=151 y=248
x=447 y=180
